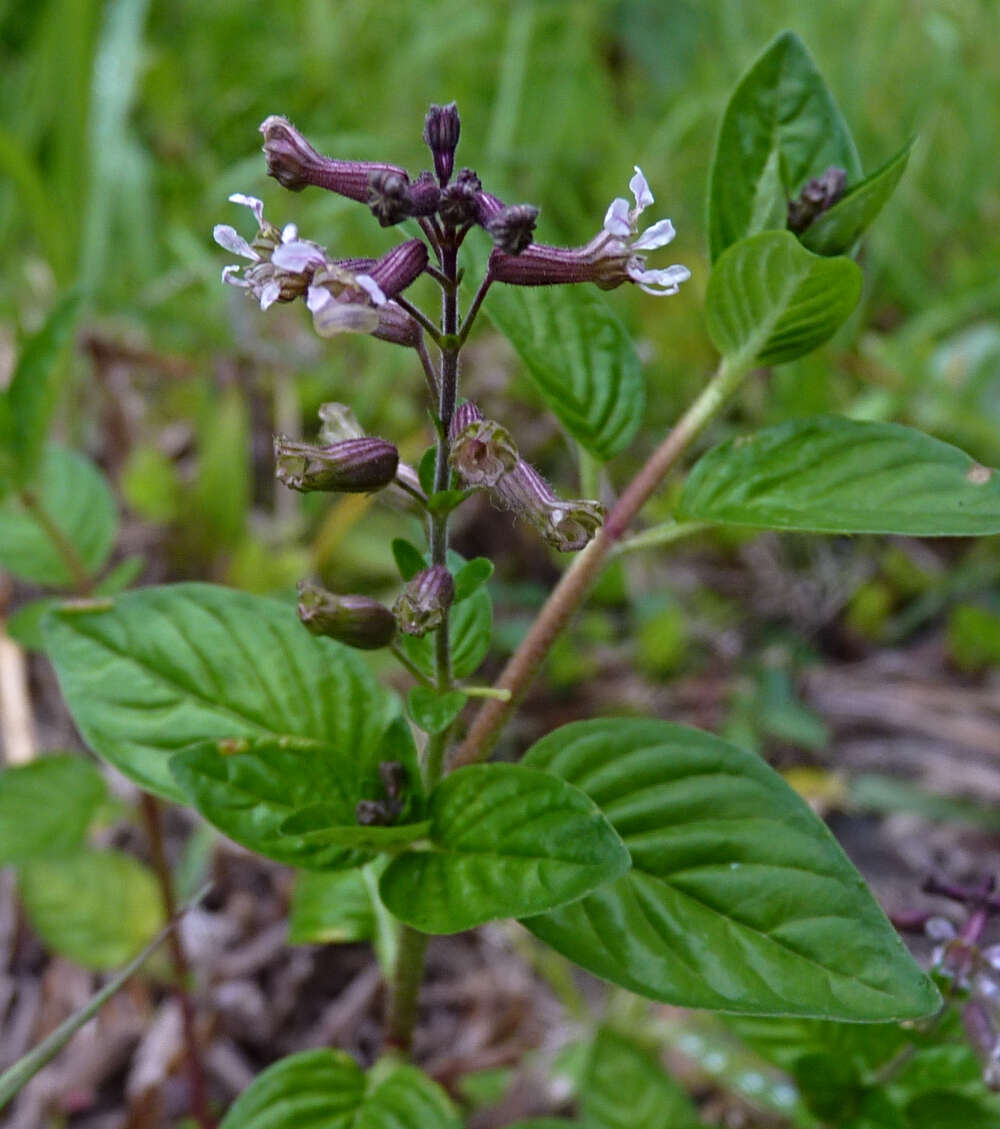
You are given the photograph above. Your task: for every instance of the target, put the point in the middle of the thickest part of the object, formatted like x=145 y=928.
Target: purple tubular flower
x=424 y=601
x=357 y=621
x=295 y=164
x=565 y=525
x=349 y=466
x=396 y=326
x=398 y=268
x=482 y=451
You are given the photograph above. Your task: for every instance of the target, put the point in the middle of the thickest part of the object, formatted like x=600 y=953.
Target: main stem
x=578 y=579
x=405 y=988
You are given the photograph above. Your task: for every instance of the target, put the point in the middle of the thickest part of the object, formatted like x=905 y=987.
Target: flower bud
x=441 y=131
x=357 y=621
x=396 y=326
x=482 y=450
x=512 y=228
x=388 y=196
x=460 y=201
x=396 y=269
x=424 y=196
x=423 y=602
x=351 y=466
x=818 y=196
x=565 y=525
x=294 y=163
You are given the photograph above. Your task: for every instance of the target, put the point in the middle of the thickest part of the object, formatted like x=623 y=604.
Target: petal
x=345 y=317
x=371 y=288
x=616 y=219
x=317 y=297
x=231 y=239
x=270 y=293
x=256 y=206
x=229 y=276
x=659 y=235
x=289 y=233
x=640 y=190
x=658 y=282
x=298 y=256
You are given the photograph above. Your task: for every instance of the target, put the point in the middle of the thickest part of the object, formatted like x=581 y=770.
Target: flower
x=615 y=255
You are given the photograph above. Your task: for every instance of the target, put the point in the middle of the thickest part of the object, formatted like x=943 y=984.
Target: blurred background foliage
x=127 y=123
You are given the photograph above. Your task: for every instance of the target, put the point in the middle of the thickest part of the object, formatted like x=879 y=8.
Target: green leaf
x=780 y=128
x=121 y=576
x=46 y=806
x=33 y=389
x=471 y=627
x=409 y=559
x=330 y=907
x=624 y=1088
x=432 y=711
x=76 y=498
x=829 y=1084
x=328 y=1090
x=834 y=475
x=163 y=668
x=98 y=908
x=946 y=1109
x=579 y=358
x=769 y=300
x=739 y=898
x=836 y=231
x=248 y=788
x=472 y=575
x=25 y=625
x=502 y=837
x=425 y=470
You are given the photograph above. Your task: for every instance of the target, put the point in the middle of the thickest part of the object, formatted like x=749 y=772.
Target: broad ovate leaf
x=739 y=898
x=501 y=837
x=73 y=504
x=159 y=669
x=326 y=1089
x=46 y=806
x=98 y=908
x=781 y=128
x=769 y=300
x=579 y=358
x=833 y=475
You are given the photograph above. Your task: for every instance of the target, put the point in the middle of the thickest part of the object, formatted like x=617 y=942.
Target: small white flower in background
x=621 y=223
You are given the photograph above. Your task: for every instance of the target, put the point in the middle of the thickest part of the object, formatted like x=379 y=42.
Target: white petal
x=297 y=257
x=616 y=219
x=256 y=206
x=270 y=293
x=659 y=235
x=289 y=233
x=231 y=239
x=640 y=190
x=229 y=276
x=659 y=282
x=371 y=288
x=317 y=297
x=345 y=317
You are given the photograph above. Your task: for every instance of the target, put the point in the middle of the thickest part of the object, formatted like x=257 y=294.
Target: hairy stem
x=178 y=958
x=578 y=579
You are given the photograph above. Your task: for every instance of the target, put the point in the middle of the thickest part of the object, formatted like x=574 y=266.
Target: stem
x=400 y=654
x=83 y=582
x=470 y=316
x=402 y=1015
x=576 y=582
x=418 y=315
x=196 y=1077
x=429 y=373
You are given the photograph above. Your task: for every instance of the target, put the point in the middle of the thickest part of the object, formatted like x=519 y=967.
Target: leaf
x=472 y=575
x=837 y=230
x=46 y=806
x=98 y=908
x=834 y=475
x=780 y=128
x=502 y=837
x=769 y=300
x=409 y=559
x=25 y=625
x=579 y=358
x=624 y=1088
x=471 y=628
x=33 y=388
x=946 y=1109
x=327 y=1090
x=76 y=498
x=739 y=898
x=163 y=668
x=432 y=711
x=330 y=907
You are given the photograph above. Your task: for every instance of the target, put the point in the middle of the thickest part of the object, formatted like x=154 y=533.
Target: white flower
x=620 y=227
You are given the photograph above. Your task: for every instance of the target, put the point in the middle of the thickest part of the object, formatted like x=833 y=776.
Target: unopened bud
x=396 y=326
x=424 y=601
x=512 y=228
x=388 y=196
x=357 y=621
x=424 y=196
x=441 y=131
x=351 y=466
x=459 y=201
x=294 y=163
x=482 y=450
x=567 y=525
x=396 y=269
x=818 y=196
